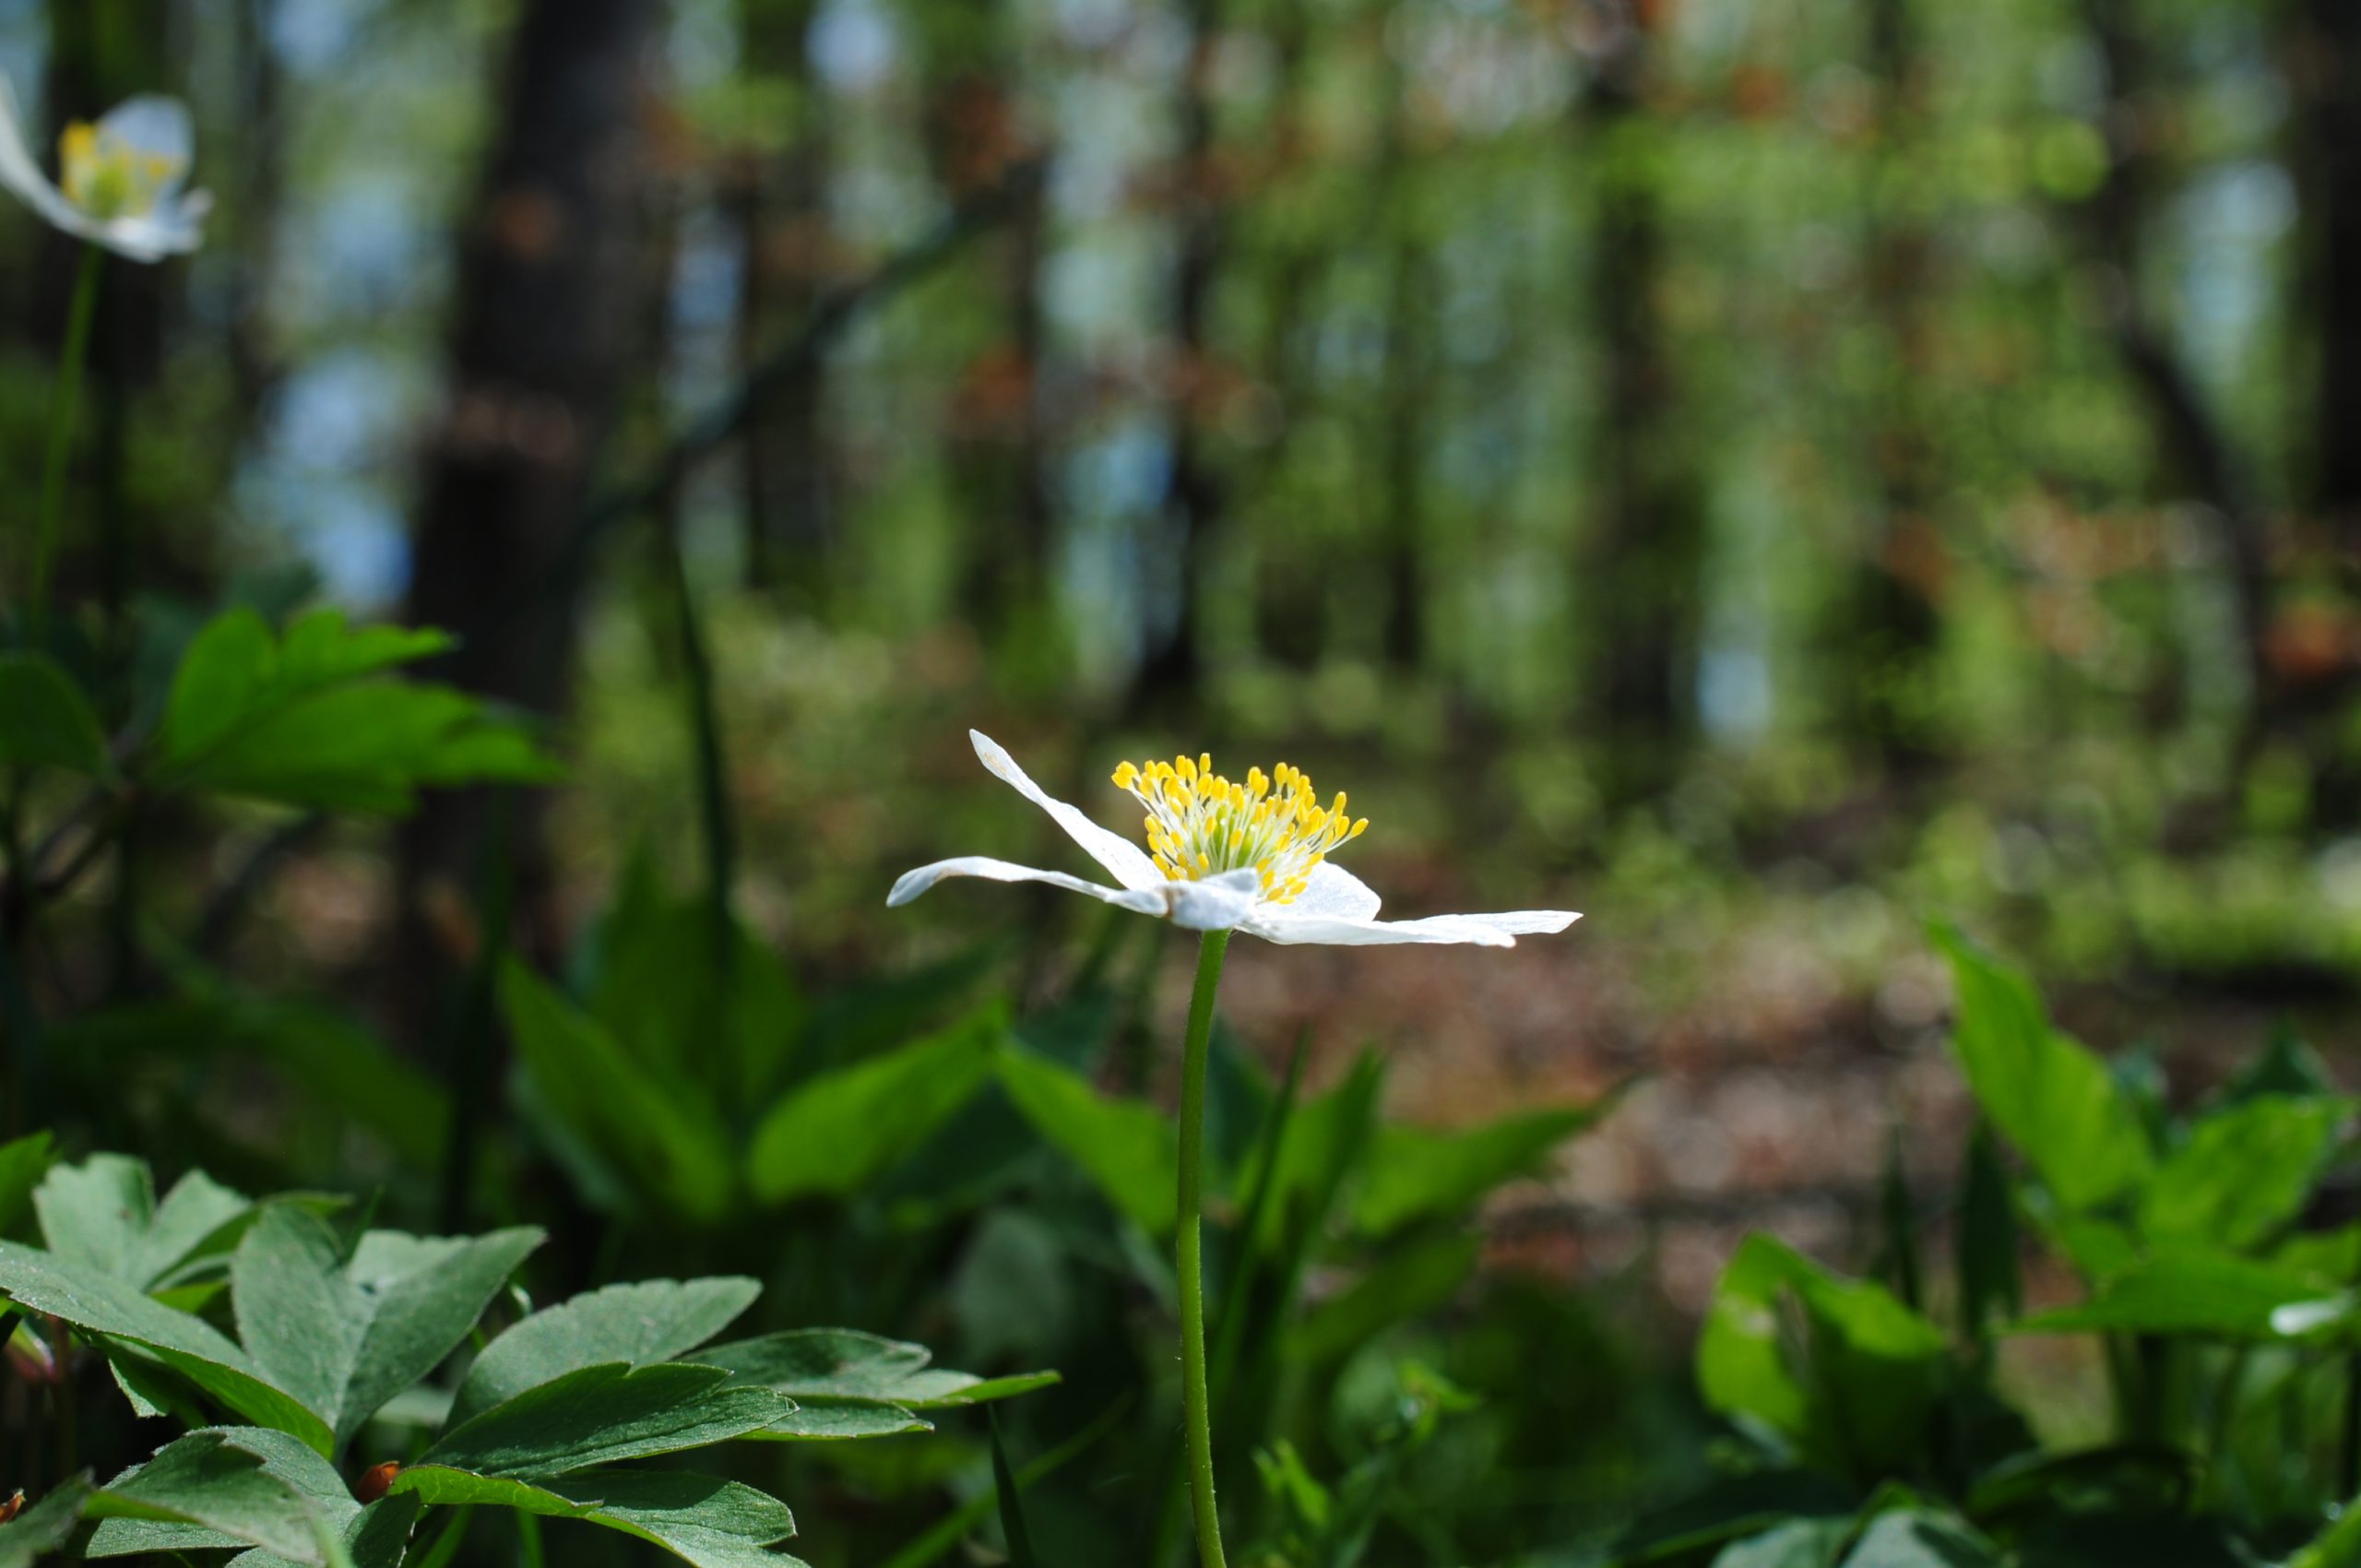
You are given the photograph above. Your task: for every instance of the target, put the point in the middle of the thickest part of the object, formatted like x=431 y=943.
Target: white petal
x=172 y=228
x=913 y=883
x=1524 y=922
x=1124 y=860
x=1273 y=923
x=169 y=229
x=1216 y=903
x=1335 y=893
x=153 y=127
x=21 y=173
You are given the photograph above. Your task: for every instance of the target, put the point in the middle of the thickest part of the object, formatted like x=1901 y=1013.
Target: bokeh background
x=1762 y=473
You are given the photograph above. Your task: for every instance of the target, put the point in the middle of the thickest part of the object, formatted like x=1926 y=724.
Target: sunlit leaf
x=210 y=1488
x=1129 y=1148
x=607 y=1414
x=100 y=1303
x=312 y=719
x=1837 y=1367
x=714 y=1524
x=841 y=1130
x=667 y=1139
x=2051 y=1097
x=346 y=1335
x=103 y=1212
x=1418 y=1172
x=2244 y=1173
x=652 y=1321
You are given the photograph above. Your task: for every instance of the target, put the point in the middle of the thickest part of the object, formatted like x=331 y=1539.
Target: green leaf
x=657 y=987
x=655 y=1320
x=675 y=1145
x=2244 y=1173
x=2285 y=1066
x=375 y=1536
x=1416 y=1173
x=843 y=1364
x=1908 y=1538
x=606 y=1414
x=45 y=722
x=1327 y=1139
x=844 y=1128
x=103 y=1213
x=98 y=1303
x=46 y=1526
x=23 y=1162
x=1129 y=1148
x=1412 y=1281
x=714 y=1524
x=1797 y=1543
x=345 y=1338
x=821 y=1419
x=280 y=1456
x=2200 y=1293
x=310 y=721
x=2339 y=1546
x=1849 y=1385
x=1012 y=1506
x=207 y=1486
x=1990 y=1284
x=2051 y=1097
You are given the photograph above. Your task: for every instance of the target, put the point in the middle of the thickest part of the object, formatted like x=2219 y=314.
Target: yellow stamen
x=1200 y=824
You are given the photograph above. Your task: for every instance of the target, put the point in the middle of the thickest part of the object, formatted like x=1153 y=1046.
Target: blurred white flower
x=1248 y=857
x=118 y=182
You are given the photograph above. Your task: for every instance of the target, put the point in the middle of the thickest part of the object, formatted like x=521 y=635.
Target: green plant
x=1875 y=1429
x=342 y=1354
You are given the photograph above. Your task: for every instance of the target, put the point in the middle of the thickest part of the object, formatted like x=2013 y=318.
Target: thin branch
x=227 y=905
x=831 y=315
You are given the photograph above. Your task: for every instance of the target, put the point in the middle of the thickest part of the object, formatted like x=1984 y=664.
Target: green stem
x=79 y=316
x=1196 y=1414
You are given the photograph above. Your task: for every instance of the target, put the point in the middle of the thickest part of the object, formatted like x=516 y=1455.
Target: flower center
x=1200 y=825
x=106 y=176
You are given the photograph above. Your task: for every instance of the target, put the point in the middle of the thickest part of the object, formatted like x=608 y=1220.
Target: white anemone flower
x=118 y=182
x=1250 y=857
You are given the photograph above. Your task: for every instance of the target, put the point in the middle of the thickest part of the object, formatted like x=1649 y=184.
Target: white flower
x=122 y=177
x=1248 y=857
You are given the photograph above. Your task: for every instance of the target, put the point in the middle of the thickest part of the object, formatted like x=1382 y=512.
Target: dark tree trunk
x=1646 y=560
x=1192 y=498
x=976 y=138
x=1891 y=638
x=2197 y=451
x=1288 y=571
x=554 y=266
x=783 y=219
x=2333 y=128
x=1407 y=402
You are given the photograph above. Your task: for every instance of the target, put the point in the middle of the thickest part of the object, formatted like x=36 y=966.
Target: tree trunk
x=2195 y=449
x=1648 y=547
x=1170 y=673
x=1288 y=573
x=551 y=273
x=2332 y=126
x=1000 y=433
x=1408 y=402
x=1890 y=640
x=783 y=222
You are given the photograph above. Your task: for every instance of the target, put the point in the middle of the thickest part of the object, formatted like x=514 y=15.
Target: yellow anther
x=1200 y=824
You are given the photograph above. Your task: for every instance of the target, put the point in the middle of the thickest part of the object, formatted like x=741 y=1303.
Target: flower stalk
x=76 y=349
x=1189 y=1250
